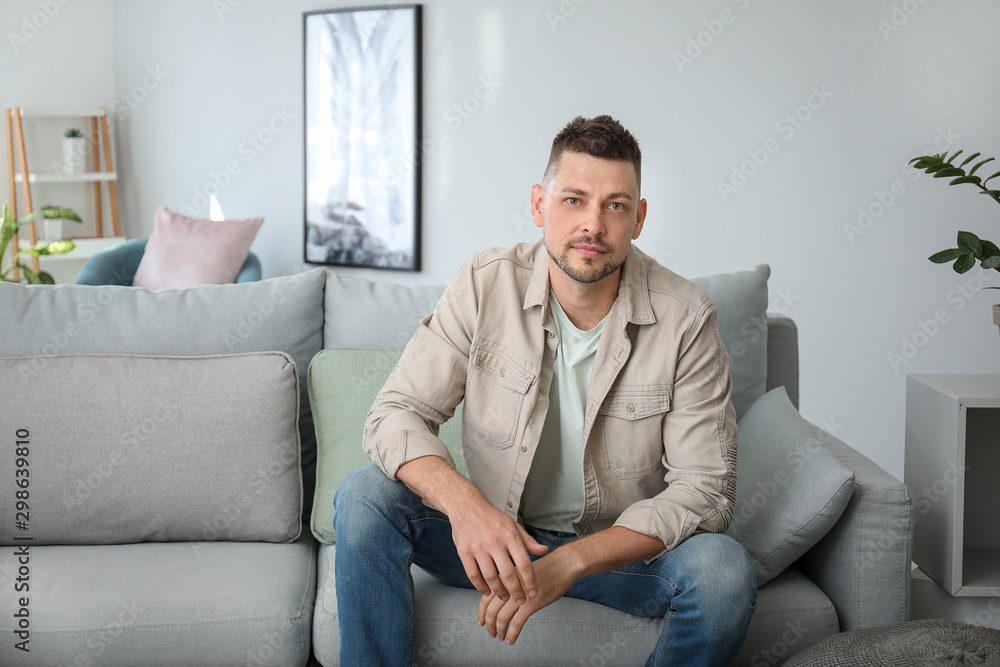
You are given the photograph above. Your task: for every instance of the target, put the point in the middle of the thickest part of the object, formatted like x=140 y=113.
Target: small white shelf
x=85 y=177
x=62 y=112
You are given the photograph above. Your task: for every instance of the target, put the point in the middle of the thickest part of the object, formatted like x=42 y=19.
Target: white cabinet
x=952 y=467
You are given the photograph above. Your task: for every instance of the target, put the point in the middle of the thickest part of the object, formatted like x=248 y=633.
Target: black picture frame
x=362 y=135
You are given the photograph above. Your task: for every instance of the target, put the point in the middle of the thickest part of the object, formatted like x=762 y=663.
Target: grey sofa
x=175 y=582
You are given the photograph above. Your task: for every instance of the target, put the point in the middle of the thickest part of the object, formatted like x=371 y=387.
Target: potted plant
x=9 y=227
x=970 y=247
x=74 y=151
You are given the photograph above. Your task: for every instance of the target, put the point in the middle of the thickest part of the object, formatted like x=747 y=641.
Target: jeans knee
x=360 y=500
x=725 y=572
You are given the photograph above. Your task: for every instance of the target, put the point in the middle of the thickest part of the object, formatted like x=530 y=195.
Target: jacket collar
x=633 y=290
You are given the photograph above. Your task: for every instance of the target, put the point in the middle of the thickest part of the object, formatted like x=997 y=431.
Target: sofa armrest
x=863 y=563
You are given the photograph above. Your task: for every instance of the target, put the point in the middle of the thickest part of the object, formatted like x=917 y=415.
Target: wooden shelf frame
x=100 y=138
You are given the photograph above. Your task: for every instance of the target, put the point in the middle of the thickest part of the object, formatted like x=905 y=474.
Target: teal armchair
x=117 y=265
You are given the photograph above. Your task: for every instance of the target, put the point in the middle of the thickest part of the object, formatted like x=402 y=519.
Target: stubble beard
x=593 y=271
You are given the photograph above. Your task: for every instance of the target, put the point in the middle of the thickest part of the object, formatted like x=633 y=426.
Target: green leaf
x=57 y=213
x=965 y=179
x=991 y=262
x=937 y=166
x=924 y=161
x=989 y=249
x=946 y=255
x=952 y=158
x=989 y=178
x=964 y=263
x=969 y=242
x=980 y=164
x=949 y=171
x=54 y=248
x=970 y=159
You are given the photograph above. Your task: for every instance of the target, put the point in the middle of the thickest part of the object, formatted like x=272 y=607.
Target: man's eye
x=572 y=200
x=617 y=206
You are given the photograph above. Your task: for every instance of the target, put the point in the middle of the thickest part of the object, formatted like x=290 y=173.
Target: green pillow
x=343 y=384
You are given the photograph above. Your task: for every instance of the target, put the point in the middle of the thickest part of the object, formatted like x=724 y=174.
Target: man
x=598 y=434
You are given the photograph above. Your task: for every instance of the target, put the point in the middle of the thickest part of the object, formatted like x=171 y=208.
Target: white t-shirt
x=553 y=492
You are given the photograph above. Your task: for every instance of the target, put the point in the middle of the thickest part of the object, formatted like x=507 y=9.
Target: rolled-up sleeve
x=427 y=384
x=699 y=444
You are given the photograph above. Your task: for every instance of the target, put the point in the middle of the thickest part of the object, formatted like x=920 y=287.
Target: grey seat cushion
x=180 y=603
x=572 y=632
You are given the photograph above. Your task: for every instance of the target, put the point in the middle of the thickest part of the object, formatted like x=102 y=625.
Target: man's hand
x=495 y=552
x=504 y=619
x=493 y=547
x=558 y=571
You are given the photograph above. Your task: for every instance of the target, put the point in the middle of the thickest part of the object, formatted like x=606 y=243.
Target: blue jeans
x=705 y=588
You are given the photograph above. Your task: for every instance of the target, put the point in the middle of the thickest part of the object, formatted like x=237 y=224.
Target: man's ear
x=537 y=204
x=640 y=218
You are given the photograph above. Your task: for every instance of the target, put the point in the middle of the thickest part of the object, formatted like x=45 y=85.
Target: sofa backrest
x=281 y=314
x=362 y=313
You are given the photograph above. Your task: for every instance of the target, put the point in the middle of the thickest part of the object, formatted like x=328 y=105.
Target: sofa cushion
x=184 y=252
x=123 y=449
x=741 y=299
x=172 y=604
x=343 y=384
x=790 y=489
x=284 y=313
x=792 y=613
x=365 y=313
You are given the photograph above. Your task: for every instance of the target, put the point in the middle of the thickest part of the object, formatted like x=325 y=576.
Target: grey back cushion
x=283 y=314
x=362 y=313
x=115 y=449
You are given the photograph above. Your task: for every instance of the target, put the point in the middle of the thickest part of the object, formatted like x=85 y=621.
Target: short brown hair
x=600 y=136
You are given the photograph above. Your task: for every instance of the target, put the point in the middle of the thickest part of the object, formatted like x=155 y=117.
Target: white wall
x=886 y=80
x=55 y=54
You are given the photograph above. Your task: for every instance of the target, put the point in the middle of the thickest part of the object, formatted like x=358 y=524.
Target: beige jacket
x=660 y=430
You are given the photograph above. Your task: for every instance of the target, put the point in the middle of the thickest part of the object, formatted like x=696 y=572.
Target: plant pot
x=76 y=150
x=996 y=314
x=52 y=229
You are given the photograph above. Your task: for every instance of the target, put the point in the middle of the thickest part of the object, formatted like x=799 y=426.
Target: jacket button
x=524 y=448
x=550 y=334
x=510 y=504
x=631 y=408
x=501 y=372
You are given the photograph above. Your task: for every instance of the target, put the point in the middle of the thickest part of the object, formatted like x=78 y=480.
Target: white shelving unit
x=97 y=175
x=952 y=467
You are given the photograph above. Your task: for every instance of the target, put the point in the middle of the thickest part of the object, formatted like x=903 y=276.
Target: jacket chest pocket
x=494 y=395
x=631 y=430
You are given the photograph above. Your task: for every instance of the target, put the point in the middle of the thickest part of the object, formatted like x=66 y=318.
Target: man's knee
x=722 y=567
x=361 y=493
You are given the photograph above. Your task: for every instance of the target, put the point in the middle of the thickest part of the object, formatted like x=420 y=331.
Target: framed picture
x=362 y=137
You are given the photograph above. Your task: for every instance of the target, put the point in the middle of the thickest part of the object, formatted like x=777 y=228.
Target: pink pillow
x=184 y=252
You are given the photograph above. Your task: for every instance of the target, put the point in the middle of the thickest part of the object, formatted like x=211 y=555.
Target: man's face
x=589 y=214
